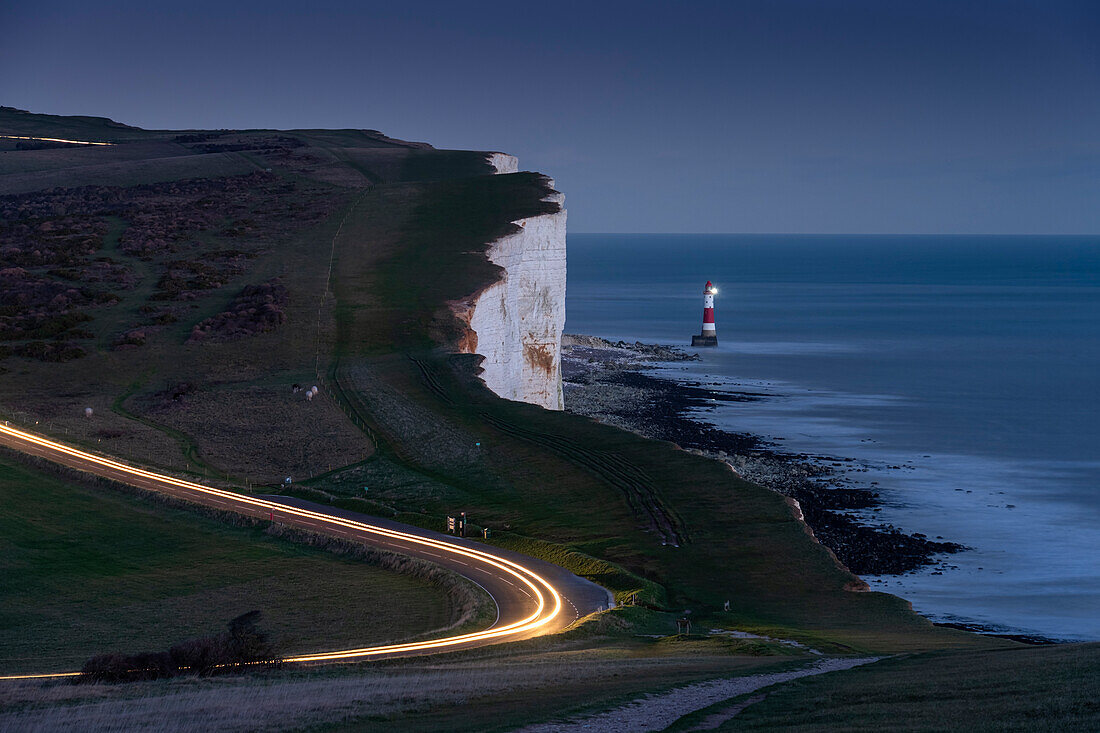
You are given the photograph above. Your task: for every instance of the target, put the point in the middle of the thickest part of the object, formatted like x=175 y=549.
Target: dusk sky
x=786 y=116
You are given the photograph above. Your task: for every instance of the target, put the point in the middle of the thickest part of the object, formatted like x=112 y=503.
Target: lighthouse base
x=704 y=340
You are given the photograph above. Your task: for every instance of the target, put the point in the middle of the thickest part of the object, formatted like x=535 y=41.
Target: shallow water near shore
x=961 y=373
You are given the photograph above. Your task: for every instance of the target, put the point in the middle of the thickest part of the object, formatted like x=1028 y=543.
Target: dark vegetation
x=408 y=228
x=74 y=127
x=242 y=646
x=50 y=351
x=59 y=268
x=257 y=309
x=140 y=259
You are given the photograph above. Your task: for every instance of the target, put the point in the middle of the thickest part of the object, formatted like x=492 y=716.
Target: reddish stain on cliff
x=467 y=342
x=540 y=356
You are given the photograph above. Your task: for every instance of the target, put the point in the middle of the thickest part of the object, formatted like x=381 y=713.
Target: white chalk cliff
x=517 y=322
x=504 y=163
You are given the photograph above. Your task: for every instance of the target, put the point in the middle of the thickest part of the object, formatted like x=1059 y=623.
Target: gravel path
x=657 y=712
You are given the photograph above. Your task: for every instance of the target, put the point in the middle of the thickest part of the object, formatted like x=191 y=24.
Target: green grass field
x=405 y=229
x=1055 y=688
x=85 y=571
x=403 y=428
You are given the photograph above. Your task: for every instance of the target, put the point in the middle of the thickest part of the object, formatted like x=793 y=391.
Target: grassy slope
x=92 y=129
x=270 y=361
x=410 y=243
x=87 y=571
x=1037 y=688
x=404 y=253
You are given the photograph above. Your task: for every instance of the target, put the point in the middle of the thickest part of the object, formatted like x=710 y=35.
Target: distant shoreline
x=613 y=383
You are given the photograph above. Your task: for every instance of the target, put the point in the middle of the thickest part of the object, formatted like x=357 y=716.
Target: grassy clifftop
x=203 y=274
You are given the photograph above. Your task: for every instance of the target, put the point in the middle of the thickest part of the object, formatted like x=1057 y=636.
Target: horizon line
x=844 y=234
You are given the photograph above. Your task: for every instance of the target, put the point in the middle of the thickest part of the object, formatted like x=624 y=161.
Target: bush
x=54 y=352
x=243 y=644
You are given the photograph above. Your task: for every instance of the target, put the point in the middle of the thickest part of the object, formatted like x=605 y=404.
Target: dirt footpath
x=657 y=712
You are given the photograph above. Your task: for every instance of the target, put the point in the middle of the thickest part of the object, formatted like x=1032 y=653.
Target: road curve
x=533 y=597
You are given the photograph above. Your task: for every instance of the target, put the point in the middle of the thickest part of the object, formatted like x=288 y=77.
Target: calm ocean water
x=972 y=362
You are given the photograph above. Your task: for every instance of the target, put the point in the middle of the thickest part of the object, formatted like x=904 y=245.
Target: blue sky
x=783 y=116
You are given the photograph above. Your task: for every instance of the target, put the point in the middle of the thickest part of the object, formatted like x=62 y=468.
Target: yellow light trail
x=52 y=140
x=538 y=585
x=46 y=676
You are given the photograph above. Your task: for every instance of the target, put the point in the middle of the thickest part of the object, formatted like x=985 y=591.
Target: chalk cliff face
x=517 y=322
x=504 y=163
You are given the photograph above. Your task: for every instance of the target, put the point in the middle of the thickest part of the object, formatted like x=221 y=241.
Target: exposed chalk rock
x=517 y=322
x=504 y=163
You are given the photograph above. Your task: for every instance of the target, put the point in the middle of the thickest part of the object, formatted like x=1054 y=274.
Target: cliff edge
x=516 y=323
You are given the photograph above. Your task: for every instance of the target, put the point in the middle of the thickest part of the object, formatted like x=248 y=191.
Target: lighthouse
x=709 y=337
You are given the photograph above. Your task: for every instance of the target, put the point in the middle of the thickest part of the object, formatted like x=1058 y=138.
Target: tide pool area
x=961 y=375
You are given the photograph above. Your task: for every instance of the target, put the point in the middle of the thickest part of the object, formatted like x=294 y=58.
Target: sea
x=961 y=372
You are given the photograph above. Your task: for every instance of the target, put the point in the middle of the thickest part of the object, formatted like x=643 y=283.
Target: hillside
x=89 y=571
x=182 y=284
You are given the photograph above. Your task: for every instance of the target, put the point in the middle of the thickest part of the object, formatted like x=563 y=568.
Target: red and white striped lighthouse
x=709 y=337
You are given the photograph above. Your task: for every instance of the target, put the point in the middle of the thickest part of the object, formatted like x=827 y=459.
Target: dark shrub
x=228 y=651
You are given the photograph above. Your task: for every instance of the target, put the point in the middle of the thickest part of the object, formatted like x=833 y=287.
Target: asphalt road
x=533 y=597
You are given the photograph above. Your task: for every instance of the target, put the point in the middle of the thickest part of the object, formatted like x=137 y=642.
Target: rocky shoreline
x=608 y=382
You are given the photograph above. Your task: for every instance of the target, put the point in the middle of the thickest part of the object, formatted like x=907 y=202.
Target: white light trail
x=538 y=585
x=52 y=140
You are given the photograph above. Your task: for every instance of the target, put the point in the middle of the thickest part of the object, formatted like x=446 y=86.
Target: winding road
x=532 y=597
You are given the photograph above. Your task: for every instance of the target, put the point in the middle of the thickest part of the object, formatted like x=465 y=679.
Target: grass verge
x=89 y=571
x=1027 y=688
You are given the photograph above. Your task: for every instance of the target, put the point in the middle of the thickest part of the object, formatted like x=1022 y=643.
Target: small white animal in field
x=314 y=389
x=309 y=396
x=87 y=412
